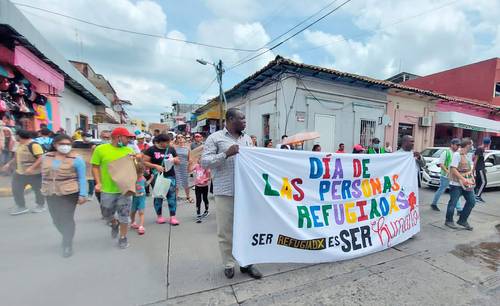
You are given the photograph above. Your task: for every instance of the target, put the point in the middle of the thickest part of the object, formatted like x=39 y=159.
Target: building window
x=84 y=121
x=497 y=89
x=367 y=132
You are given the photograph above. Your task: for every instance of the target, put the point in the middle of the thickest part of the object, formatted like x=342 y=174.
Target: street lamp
x=219 y=70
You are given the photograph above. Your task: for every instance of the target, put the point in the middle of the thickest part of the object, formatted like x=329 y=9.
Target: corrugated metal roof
x=25 y=33
x=281 y=64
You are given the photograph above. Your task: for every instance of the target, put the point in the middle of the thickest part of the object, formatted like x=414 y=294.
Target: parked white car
x=431 y=173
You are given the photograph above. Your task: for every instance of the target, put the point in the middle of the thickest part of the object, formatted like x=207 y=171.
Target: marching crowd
x=65 y=171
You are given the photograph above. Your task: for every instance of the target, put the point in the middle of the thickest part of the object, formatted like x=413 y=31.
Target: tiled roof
x=281 y=64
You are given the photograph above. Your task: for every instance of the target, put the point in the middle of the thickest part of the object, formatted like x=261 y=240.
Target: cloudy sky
x=377 y=38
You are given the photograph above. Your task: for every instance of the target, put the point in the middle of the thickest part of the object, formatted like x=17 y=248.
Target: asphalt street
x=181 y=265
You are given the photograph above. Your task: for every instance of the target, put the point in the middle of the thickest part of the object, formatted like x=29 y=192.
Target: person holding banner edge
x=218 y=155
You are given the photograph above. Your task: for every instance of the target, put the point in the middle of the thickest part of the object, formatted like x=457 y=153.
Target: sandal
x=190 y=200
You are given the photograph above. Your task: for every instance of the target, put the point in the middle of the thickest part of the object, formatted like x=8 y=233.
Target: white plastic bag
x=162 y=185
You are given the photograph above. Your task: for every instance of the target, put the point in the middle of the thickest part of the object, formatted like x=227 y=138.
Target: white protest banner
x=309 y=207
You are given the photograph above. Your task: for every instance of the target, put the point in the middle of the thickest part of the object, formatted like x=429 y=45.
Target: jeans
x=62 y=211
x=444 y=182
x=20 y=181
x=455 y=193
x=171 y=199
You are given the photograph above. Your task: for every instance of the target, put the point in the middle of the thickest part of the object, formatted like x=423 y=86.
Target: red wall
x=474 y=81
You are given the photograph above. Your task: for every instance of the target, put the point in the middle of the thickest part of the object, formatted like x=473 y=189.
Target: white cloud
x=241 y=10
x=149 y=98
x=428 y=43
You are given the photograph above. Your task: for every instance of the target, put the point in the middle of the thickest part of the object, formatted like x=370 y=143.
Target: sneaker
x=18 y=211
x=141 y=230
x=115 y=230
x=450 y=224
x=205 y=214
x=479 y=199
x=67 y=252
x=174 y=221
x=434 y=207
x=160 y=220
x=123 y=243
x=38 y=209
x=198 y=218
x=134 y=226
x=466 y=225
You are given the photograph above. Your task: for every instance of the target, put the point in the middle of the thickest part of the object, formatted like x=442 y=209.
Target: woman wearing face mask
x=64 y=184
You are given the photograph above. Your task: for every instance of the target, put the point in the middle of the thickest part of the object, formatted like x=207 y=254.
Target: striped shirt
x=214 y=158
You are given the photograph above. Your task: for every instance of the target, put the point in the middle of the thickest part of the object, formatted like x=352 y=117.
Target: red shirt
x=339 y=151
x=143 y=147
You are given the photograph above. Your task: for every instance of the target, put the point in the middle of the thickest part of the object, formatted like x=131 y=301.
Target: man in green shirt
x=444 y=163
x=112 y=200
x=375 y=147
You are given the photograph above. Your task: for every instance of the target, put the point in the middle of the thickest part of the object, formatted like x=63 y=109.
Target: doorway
x=325 y=125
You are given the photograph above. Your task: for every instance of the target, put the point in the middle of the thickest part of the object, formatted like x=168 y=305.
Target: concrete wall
x=71 y=106
x=282 y=101
x=475 y=81
x=408 y=109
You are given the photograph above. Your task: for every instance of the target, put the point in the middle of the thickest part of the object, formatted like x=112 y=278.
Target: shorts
x=138 y=203
x=116 y=203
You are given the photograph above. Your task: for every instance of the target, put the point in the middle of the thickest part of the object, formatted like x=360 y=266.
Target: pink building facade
x=42 y=86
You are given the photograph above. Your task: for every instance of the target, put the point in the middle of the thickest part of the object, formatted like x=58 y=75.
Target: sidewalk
x=181 y=265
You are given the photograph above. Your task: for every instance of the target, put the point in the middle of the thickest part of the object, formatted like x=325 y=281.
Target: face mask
x=64 y=149
x=376 y=145
x=105 y=141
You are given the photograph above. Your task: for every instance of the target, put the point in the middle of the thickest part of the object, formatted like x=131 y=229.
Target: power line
x=291 y=29
x=135 y=32
x=136 y=47
x=398 y=21
x=205 y=90
x=290 y=37
x=299 y=24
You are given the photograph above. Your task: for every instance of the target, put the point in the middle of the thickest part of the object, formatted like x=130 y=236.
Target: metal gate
x=367 y=132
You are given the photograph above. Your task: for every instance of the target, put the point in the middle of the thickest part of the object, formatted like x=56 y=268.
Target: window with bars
x=367 y=132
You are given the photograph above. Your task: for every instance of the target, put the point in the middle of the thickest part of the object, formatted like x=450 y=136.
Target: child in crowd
x=201 y=182
x=139 y=200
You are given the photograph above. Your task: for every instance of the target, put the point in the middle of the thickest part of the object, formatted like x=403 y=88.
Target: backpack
x=30 y=148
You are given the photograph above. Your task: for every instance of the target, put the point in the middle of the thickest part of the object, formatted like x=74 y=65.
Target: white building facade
x=287 y=98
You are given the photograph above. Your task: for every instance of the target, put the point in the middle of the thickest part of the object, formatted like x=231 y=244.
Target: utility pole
x=219 y=70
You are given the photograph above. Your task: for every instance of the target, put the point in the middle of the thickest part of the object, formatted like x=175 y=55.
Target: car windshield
x=432 y=152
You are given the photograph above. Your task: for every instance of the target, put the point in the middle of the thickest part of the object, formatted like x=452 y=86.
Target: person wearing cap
x=444 y=163
x=375 y=147
x=132 y=144
x=141 y=142
x=148 y=139
x=358 y=149
x=198 y=141
x=112 y=200
x=480 y=168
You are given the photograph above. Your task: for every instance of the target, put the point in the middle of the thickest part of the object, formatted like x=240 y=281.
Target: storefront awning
x=211 y=113
x=468 y=122
x=30 y=63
